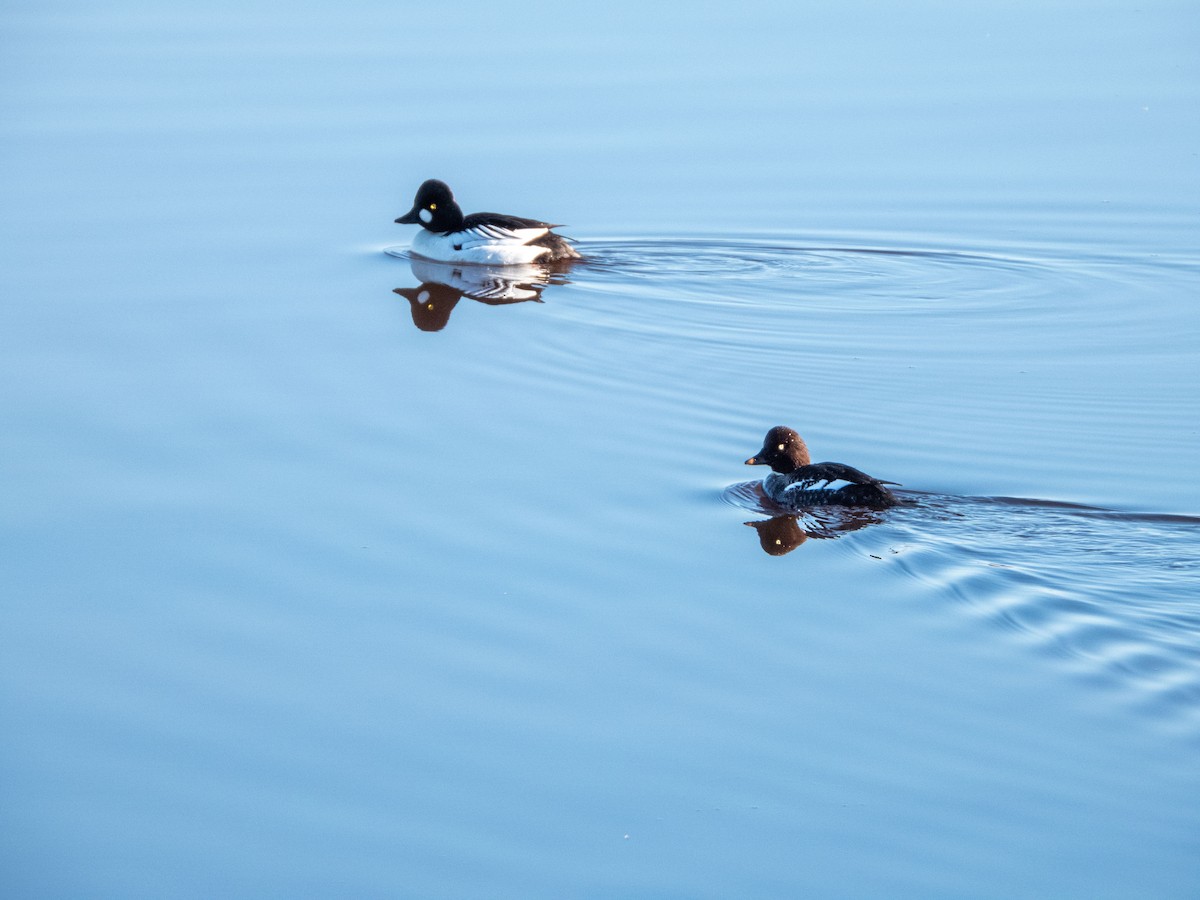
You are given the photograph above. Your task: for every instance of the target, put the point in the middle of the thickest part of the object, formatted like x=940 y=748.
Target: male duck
x=483 y=238
x=794 y=476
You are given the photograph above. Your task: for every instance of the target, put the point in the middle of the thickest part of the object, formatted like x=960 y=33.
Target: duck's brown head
x=783 y=450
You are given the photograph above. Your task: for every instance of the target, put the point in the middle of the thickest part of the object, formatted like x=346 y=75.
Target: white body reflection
x=442 y=285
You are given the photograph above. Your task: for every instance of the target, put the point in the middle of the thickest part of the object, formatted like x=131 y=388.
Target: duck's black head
x=434 y=208
x=783 y=450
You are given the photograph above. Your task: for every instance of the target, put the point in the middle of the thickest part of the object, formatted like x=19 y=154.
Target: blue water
x=314 y=591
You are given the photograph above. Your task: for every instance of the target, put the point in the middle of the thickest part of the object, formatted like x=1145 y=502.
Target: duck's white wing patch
x=491 y=235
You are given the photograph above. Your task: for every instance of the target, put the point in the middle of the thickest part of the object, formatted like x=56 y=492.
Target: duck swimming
x=484 y=238
x=796 y=481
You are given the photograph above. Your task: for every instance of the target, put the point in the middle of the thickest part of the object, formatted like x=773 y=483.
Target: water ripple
x=714 y=288
x=1114 y=595
x=679 y=261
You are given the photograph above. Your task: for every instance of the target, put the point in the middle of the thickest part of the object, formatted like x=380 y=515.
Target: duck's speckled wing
x=829 y=472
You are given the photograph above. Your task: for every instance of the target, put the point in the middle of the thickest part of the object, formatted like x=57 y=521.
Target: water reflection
x=783 y=534
x=785 y=530
x=444 y=284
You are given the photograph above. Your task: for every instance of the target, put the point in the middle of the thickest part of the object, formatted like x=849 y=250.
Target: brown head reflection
x=443 y=285
x=780 y=535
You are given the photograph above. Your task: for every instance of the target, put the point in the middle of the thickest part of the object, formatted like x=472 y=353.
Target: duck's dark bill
x=409 y=218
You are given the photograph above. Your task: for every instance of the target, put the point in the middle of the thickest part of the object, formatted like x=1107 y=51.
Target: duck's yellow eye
x=433 y=206
x=780 y=447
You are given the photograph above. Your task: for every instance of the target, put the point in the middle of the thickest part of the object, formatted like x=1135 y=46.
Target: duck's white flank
x=483 y=245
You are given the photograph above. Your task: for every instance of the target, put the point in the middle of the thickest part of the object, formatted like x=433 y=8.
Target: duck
x=482 y=238
x=797 y=482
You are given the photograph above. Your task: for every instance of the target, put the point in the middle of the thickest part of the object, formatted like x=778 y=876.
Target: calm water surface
x=335 y=573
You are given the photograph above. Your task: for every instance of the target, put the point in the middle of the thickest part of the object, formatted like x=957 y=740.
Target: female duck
x=795 y=477
x=483 y=238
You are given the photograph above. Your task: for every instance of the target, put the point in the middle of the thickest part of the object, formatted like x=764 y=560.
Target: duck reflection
x=783 y=534
x=444 y=284
x=787 y=527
